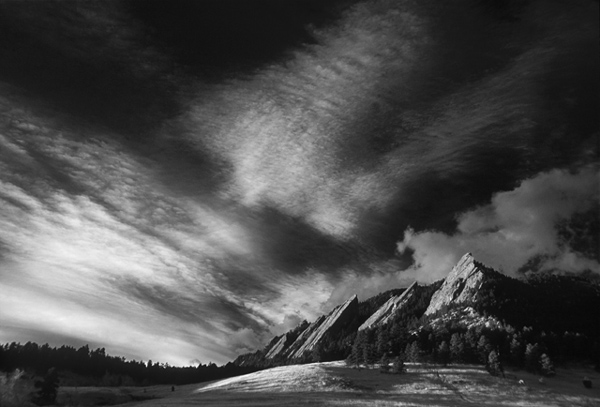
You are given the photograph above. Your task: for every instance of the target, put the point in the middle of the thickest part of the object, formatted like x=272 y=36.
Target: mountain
x=336 y=329
x=282 y=343
x=340 y=316
x=387 y=311
x=556 y=313
x=462 y=285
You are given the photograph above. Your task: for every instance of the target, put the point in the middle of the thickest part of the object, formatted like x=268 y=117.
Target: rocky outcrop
x=280 y=346
x=461 y=285
x=387 y=311
x=340 y=316
x=301 y=339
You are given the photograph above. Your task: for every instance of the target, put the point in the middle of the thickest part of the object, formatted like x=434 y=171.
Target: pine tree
x=317 y=353
x=546 y=365
x=48 y=388
x=444 y=353
x=369 y=354
x=483 y=348
x=384 y=364
x=516 y=351
x=383 y=341
x=493 y=365
x=532 y=357
x=398 y=365
x=356 y=355
x=457 y=347
x=471 y=339
x=398 y=338
x=413 y=352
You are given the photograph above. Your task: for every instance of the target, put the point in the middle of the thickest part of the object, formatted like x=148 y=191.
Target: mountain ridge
x=473 y=299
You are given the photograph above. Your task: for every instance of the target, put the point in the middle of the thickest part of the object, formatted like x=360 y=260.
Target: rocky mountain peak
x=331 y=324
x=461 y=285
x=387 y=311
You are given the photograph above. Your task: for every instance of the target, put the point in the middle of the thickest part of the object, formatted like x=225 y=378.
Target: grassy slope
x=333 y=384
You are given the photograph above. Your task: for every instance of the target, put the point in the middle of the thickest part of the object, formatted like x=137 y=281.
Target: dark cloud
x=218 y=38
x=87 y=59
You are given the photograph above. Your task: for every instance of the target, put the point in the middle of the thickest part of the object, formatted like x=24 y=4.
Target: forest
x=97 y=368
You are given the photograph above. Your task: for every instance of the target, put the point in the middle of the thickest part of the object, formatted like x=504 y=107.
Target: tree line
x=96 y=367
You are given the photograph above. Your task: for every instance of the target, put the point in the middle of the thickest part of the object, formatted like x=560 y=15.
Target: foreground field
x=333 y=384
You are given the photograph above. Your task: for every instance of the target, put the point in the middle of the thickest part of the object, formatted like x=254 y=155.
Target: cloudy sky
x=182 y=180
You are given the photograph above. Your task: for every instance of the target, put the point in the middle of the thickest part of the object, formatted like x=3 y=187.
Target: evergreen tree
x=356 y=354
x=470 y=340
x=398 y=365
x=516 y=351
x=532 y=357
x=48 y=388
x=444 y=353
x=546 y=365
x=317 y=353
x=383 y=341
x=369 y=354
x=493 y=365
x=398 y=337
x=457 y=347
x=384 y=364
x=413 y=352
x=483 y=348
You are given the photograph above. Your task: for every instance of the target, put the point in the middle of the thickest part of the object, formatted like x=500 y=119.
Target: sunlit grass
x=334 y=384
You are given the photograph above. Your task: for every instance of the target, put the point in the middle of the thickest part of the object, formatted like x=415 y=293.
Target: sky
x=180 y=181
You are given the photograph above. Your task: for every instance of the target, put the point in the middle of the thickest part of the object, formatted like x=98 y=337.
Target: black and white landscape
x=228 y=185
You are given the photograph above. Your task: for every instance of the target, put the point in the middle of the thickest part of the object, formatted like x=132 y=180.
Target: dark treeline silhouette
x=104 y=369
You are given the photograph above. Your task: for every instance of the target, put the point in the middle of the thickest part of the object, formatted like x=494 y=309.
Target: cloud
x=228 y=207
x=100 y=238
x=515 y=229
x=287 y=132
x=392 y=103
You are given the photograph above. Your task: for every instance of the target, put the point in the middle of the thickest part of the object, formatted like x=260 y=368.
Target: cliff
x=386 y=312
x=280 y=346
x=301 y=339
x=340 y=315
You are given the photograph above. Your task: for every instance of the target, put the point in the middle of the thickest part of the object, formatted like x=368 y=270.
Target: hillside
x=332 y=383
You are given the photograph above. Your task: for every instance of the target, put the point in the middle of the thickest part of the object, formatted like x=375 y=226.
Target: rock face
x=386 y=312
x=340 y=315
x=461 y=285
x=281 y=345
x=301 y=339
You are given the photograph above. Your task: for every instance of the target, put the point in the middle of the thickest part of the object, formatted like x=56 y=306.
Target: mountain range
x=557 y=313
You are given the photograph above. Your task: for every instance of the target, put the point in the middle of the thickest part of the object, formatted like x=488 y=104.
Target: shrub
x=14 y=389
x=546 y=365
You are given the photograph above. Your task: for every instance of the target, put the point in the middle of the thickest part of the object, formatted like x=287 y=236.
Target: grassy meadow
x=335 y=384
